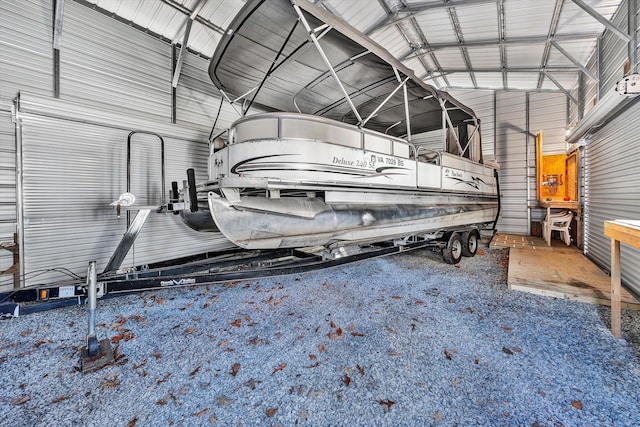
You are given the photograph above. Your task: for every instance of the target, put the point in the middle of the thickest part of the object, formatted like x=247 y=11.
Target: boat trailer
x=206 y=268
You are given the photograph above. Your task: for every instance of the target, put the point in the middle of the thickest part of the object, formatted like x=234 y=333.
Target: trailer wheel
x=470 y=243
x=453 y=252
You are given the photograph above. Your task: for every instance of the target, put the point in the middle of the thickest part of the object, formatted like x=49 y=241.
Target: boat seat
x=559 y=223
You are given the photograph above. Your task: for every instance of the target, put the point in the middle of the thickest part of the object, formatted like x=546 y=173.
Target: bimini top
x=267 y=57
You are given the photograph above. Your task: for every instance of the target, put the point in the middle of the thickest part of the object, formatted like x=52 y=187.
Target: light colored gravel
x=401 y=340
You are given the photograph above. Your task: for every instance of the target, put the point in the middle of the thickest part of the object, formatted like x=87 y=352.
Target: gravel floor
x=401 y=340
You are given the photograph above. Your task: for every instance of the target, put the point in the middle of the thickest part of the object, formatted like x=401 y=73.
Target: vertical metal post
x=406 y=111
x=495 y=125
x=174 y=61
x=19 y=189
x=92 y=279
x=632 y=7
x=528 y=132
x=580 y=96
x=599 y=60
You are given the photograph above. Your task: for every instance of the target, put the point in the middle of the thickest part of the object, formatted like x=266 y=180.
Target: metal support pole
x=633 y=33
x=324 y=57
x=92 y=284
x=526 y=170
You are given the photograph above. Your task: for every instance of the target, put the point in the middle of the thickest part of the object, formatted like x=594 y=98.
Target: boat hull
x=263 y=223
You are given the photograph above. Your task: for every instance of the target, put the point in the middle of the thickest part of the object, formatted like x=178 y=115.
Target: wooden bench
x=627 y=232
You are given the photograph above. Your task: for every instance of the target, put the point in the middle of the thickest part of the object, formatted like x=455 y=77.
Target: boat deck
x=557 y=271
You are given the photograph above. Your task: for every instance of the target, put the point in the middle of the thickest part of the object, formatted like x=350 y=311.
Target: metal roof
x=482 y=44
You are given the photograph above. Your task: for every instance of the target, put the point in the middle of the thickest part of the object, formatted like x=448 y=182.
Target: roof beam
x=553 y=26
x=199 y=19
x=604 y=21
x=507 y=41
x=584 y=69
x=185 y=41
x=513 y=70
x=417 y=9
x=559 y=86
x=453 y=16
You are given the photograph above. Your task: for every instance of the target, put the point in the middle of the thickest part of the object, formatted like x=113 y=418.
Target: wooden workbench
x=628 y=232
x=561 y=204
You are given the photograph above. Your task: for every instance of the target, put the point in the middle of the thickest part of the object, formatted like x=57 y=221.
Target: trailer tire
x=470 y=241
x=452 y=254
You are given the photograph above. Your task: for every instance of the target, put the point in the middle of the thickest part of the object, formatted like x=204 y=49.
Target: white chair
x=559 y=222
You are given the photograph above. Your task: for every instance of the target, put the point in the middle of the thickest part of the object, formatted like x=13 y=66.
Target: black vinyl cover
x=266 y=37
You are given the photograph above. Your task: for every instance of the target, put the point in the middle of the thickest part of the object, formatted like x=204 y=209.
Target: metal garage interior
x=77 y=76
x=110 y=68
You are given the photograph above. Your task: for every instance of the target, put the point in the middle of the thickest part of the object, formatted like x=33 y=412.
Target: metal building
x=76 y=76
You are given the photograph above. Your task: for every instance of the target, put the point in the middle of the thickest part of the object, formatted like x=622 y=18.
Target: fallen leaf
x=213 y=419
x=506 y=350
x=195 y=371
x=313 y=365
x=333 y=325
x=20 y=400
x=25 y=332
x=452 y=299
x=201 y=413
x=61 y=398
x=576 y=404
x=251 y=384
x=156 y=354
x=479 y=252
x=321 y=347
x=42 y=342
x=236 y=323
x=313 y=357
x=386 y=404
x=413 y=326
x=360 y=369
x=346 y=380
x=235 y=369
x=357 y=334
x=419 y=302
x=279 y=368
x=393 y=353
x=132 y=423
x=271 y=412
x=506 y=328
x=339 y=332
x=450 y=354
x=395 y=296
x=116 y=353
x=110 y=382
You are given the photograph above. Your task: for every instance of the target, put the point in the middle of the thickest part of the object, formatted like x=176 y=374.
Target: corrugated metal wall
x=613 y=190
x=74 y=161
x=614 y=52
x=105 y=63
x=120 y=75
x=7 y=195
x=26 y=53
x=511 y=154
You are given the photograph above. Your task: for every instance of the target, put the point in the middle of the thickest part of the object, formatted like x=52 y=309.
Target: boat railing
x=313 y=128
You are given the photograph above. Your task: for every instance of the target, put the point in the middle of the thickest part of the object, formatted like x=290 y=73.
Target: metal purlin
x=314 y=39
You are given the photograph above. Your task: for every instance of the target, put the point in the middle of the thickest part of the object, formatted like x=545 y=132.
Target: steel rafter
x=185 y=41
x=571 y=58
x=604 y=21
x=417 y=9
x=455 y=22
x=559 y=86
x=553 y=27
x=507 y=41
x=199 y=19
x=421 y=42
